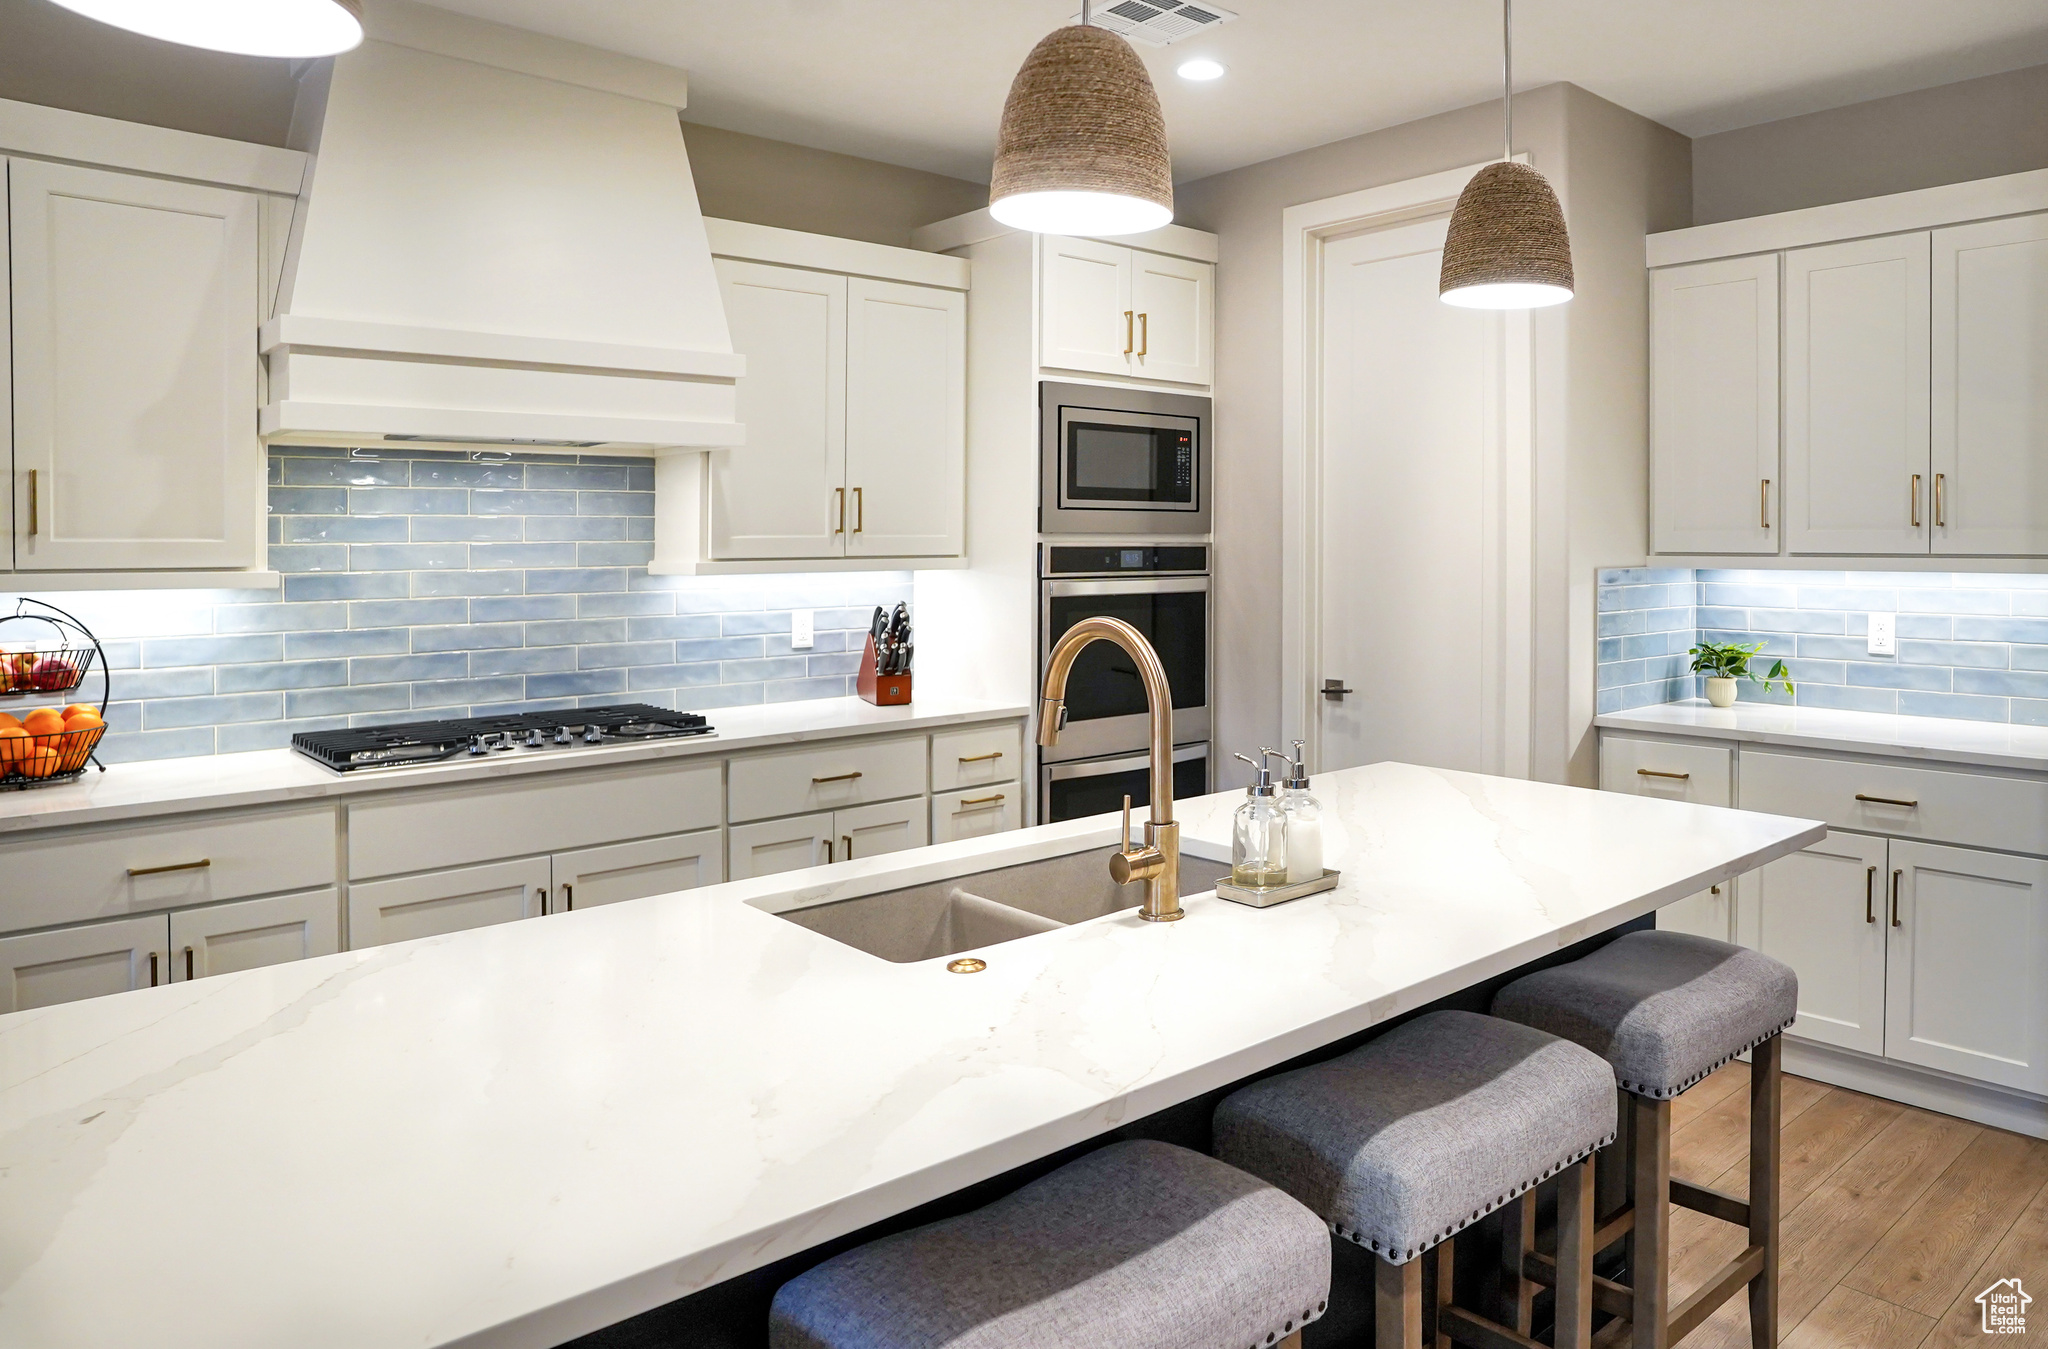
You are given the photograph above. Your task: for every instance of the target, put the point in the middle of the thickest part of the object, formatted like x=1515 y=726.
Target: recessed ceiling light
x=1201 y=68
x=249 y=27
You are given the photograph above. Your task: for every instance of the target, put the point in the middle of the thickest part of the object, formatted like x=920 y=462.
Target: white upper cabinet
x=135 y=304
x=906 y=419
x=1990 y=385
x=1110 y=310
x=784 y=495
x=1856 y=399
x=1714 y=407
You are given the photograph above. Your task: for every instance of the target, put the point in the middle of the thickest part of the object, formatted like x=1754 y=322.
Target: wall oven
x=1122 y=461
x=1083 y=787
x=1163 y=591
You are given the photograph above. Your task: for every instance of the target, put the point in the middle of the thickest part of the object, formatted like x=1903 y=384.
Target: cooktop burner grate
x=416 y=742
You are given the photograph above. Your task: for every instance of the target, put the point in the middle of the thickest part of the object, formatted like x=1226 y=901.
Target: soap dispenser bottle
x=1304 y=819
x=1258 y=840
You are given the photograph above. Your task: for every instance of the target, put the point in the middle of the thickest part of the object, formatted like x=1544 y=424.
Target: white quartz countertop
x=1987 y=744
x=169 y=786
x=512 y=1136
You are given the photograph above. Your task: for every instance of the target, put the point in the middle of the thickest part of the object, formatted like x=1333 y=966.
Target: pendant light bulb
x=1507 y=246
x=294 y=28
x=1082 y=146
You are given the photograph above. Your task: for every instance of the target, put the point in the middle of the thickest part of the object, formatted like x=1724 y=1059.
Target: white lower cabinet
x=887 y=826
x=1966 y=987
x=1670 y=770
x=652 y=866
x=254 y=932
x=41 y=969
x=1824 y=912
x=976 y=812
x=766 y=847
x=446 y=901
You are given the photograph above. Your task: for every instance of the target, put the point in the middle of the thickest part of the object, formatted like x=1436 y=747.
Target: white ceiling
x=921 y=82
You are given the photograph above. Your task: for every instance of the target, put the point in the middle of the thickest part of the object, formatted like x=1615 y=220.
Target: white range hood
x=499 y=243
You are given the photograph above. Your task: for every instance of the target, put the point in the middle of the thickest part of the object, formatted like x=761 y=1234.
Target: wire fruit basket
x=48 y=744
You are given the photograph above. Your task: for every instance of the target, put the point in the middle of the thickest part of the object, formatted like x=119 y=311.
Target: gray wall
x=766 y=182
x=1950 y=134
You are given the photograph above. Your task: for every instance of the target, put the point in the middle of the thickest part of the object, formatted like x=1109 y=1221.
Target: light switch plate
x=1884 y=634
x=802 y=630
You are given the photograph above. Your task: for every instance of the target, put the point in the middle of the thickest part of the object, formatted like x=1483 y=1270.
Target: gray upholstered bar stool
x=1405 y=1141
x=1666 y=1009
x=1139 y=1245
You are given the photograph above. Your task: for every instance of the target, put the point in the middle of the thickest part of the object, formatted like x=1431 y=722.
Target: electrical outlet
x=802 y=632
x=1884 y=634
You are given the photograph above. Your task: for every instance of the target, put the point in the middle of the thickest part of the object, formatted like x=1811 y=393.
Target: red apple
x=52 y=674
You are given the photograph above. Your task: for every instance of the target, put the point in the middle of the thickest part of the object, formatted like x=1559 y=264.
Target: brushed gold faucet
x=1157 y=863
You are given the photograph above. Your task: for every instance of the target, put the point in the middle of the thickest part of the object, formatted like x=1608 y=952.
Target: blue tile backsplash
x=431 y=585
x=1969 y=645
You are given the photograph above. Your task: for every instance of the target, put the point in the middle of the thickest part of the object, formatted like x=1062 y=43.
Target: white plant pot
x=1720 y=691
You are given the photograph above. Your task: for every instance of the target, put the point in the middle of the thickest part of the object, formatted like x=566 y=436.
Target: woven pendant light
x=1507 y=247
x=1082 y=147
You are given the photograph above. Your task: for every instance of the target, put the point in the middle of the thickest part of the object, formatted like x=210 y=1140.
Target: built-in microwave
x=1122 y=461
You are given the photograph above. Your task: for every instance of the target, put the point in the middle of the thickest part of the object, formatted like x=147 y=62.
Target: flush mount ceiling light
x=1201 y=68
x=1082 y=146
x=245 y=27
x=1507 y=247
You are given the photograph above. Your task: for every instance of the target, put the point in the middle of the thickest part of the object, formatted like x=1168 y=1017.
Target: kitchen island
x=516 y=1135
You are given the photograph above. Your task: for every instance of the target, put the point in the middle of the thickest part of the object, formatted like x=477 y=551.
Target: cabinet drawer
x=973 y=812
x=975 y=756
x=648 y=866
x=452 y=826
x=827 y=777
x=1668 y=769
x=81 y=874
x=1991 y=812
x=446 y=901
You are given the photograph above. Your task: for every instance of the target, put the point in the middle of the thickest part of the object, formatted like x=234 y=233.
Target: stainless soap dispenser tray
x=1266 y=896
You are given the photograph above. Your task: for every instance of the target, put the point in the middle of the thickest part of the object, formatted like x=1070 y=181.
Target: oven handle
x=1095 y=768
x=1132 y=585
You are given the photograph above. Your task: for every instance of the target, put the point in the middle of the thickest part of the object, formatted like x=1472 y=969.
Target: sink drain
x=966 y=965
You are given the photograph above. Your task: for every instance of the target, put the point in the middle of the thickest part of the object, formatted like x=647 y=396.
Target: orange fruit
x=83 y=719
x=43 y=721
x=75 y=708
x=9 y=719
x=41 y=766
x=15 y=745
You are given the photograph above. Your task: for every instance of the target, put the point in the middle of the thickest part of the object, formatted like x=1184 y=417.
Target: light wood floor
x=1895 y=1218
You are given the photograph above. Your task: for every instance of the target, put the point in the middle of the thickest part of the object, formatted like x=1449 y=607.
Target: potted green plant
x=1724 y=663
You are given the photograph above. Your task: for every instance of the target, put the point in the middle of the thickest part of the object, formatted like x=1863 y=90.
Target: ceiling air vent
x=1157 y=22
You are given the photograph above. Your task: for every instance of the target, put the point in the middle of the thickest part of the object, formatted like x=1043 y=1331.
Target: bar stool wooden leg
x=1765 y=1097
x=1650 y=1248
x=1575 y=1224
x=1397 y=1302
x=1518 y=1241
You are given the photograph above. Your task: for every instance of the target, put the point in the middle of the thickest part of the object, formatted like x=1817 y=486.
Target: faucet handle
x=1131 y=861
x=1123 y=839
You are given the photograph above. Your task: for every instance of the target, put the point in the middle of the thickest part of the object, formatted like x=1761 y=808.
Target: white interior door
x=135 y=309
x=906 y=419
x=651 y=866
x=41 y=969
x=1990 y=387
x=1085 y=319
x=1967 y=988
x=1823 y=911
x=1714 y=407
x=223 y=938
x=1173 y=298
x=1414 y=405
x=784 y=494
x=1856 y=360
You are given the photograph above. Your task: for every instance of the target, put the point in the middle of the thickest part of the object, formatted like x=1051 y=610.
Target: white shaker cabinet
x=135 y=302
x=1967 y=988
x=1990 y=387
x=886 y=827
x=1824 y=911
x=785 y=494
x=446 y=901
x=1107 y=309
x=976 y=812
x=223 y=938
x=41 y=969
x=1174 y=299
x=1671 y=771
x=906 y=419
x=771 y=846
x=616 y=872
x=1857 y=478
x=1714 y=479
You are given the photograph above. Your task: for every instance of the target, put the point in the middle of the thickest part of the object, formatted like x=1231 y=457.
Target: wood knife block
x=880 y=689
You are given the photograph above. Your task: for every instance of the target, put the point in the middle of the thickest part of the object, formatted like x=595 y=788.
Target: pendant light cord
x=1084 y=13
x=1507 y=74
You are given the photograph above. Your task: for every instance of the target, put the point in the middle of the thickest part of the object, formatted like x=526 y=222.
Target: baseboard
x=1973 y=1101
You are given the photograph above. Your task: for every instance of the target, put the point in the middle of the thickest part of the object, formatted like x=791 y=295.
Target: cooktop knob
x=592 y=734
x=534 y=738
x=562 y=736
x=479 y=744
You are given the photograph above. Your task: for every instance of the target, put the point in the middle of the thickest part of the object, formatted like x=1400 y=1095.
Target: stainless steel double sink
x=973 y=912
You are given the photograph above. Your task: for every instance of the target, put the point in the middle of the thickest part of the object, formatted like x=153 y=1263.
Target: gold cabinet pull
x=188 y=964
x=1940 y=505
x=846 y=851
x=1128 y=345
x=1895 y=898
x=1658 y=773
x=1888 y=801
x=1869 y=882
x=968 y=803
x=836 y=777
x=860 y=512
x=542 y=890
x=152 y=969
x=1916 y=501
x=828 y=850
x=33 y=523
x=200 y=865
x=981 y=758
x=1144 y=335
x=840 y=528
x=568 y=898
x=1763 y=503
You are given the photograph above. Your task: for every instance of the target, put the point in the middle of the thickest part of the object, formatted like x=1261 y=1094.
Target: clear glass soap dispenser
x=1258 y=841
x=1304 y=819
